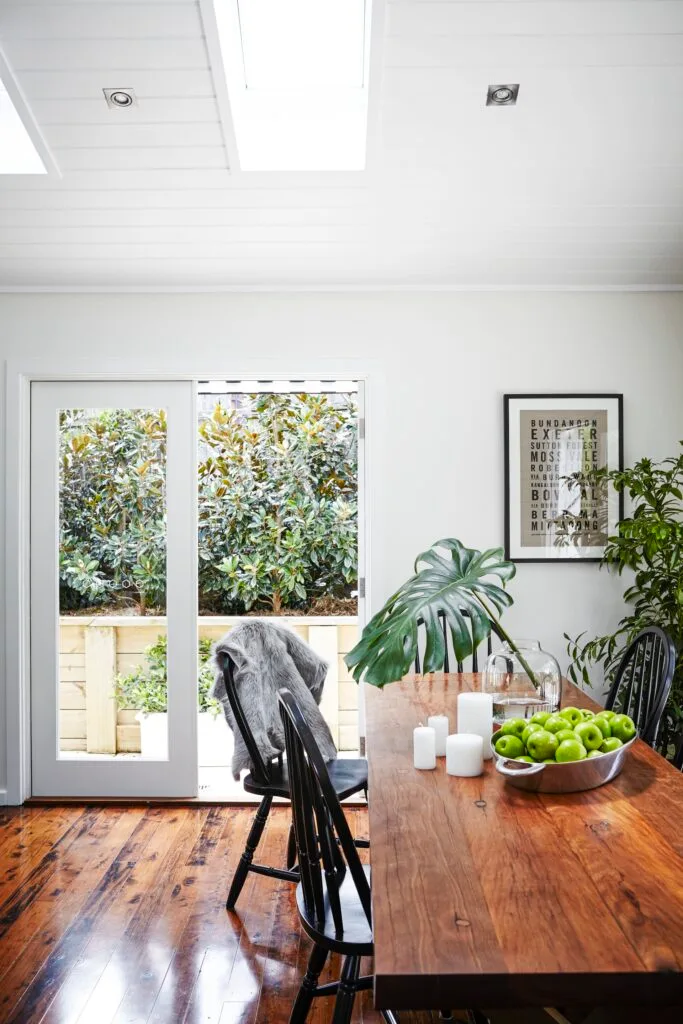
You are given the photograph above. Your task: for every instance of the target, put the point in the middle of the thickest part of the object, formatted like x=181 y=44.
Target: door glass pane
x=112 y=583
x=278 y=537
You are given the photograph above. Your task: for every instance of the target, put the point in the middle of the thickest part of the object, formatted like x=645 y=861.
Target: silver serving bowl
x=573 y=777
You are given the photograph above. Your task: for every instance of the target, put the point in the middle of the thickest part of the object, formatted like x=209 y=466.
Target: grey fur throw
x=267 y=657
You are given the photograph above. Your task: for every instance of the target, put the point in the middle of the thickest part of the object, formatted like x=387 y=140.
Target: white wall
x=438 y=365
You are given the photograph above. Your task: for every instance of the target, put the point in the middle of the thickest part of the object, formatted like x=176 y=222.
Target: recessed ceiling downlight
x=119 y=98
x=502 y=95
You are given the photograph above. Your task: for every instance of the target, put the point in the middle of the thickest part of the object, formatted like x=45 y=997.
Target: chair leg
x=556 y=1015
x=343 y=1007
x=255 y=833
x=304 y=998
x=291 y=848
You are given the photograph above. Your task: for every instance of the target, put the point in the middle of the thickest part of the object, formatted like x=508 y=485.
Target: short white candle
x=475 y=715
x=439 y=723
x=464 y=754
x=424 y=747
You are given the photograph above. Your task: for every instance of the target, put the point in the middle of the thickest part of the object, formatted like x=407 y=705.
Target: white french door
x=60 y=764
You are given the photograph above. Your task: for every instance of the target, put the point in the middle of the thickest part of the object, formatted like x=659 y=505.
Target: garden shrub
x=112 y=548
x=277 y=506
x=145 y=687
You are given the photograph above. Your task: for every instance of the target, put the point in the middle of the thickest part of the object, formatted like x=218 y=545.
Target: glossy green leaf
x=462 y=583
x=648 y=544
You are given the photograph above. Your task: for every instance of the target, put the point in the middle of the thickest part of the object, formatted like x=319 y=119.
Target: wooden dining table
x=484 y=895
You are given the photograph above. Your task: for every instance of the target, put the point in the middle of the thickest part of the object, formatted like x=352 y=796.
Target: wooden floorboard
x=116 y=915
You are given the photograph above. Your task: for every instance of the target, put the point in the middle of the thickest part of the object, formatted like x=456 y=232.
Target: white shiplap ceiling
x=580 y=185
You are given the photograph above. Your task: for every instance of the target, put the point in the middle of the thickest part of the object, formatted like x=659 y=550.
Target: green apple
x=570 y=750
x=606 y=714
x=508 y=745
x=540 y=718
x=610 y=744
x=555 y=723
x=573 y=715
x=623 y=727
x=603 y=725
x=531 y=727
x=542 y=744
x=549 y=760
x=565 y=734
x=525 y=757
x=587 y=715
x=514 y=727
x=594 y=753
x=590 y=735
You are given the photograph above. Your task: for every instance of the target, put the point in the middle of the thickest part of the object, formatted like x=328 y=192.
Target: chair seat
x=348 y=776
x=357 y=938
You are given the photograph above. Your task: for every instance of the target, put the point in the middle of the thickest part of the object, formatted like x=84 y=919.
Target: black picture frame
x=612 y=404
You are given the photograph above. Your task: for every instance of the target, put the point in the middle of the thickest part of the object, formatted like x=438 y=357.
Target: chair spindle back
x=446 y=660
x=325 y=847
x=643 y=681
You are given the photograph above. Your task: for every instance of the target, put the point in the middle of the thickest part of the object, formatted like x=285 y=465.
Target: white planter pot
x=214 y=740
x=153 y=734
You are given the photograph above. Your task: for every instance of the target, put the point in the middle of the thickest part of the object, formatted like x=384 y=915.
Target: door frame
x=55 y=773
x=19 y=375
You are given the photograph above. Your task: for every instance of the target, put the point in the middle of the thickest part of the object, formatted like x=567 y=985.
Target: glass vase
x=507 y=679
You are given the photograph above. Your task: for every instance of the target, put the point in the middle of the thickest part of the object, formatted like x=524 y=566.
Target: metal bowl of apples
x=567 y=752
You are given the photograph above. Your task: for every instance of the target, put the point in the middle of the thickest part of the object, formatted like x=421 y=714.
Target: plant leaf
x=449 y=579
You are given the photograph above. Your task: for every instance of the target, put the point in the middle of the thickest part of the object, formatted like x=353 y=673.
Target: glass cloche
x=507 y=678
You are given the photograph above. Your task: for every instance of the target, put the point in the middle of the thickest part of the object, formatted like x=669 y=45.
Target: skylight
x=296 y=74
x=18 y=155
x=302 y=43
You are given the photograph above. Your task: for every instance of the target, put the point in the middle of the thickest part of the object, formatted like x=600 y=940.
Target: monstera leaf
x=451 y=579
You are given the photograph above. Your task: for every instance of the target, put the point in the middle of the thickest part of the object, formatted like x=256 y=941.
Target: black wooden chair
x=678 y=759
x=348 y=775
x=333 y=895
x=446 y=664
x=643 y=681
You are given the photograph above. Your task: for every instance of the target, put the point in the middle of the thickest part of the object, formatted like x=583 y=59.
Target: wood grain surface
x=485 y=895
x=116 y=915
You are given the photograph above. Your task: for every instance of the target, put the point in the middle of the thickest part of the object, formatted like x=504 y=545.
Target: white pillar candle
x=424 y=747
x=464 y=754
x=475 y=715
x=439 y=723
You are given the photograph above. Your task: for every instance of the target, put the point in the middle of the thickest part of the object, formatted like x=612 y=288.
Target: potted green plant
x=649 y=545
x=145 y=690
x=465 y=585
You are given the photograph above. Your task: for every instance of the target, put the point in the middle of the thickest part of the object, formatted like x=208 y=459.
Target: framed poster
x=549 y=441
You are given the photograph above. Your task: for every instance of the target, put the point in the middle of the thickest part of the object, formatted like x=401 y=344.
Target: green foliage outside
x=277 y=506
x=112 y=544
x=145 y=688
x=649 y=543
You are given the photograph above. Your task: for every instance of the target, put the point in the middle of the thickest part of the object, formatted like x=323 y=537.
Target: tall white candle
x=439 y=723
x=464 y=754
x=424 y=747
x=475 y=715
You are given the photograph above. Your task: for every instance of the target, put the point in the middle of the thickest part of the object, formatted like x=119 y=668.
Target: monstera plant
x=462 y=584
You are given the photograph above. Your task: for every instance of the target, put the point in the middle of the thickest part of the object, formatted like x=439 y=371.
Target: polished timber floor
x=116 y=914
